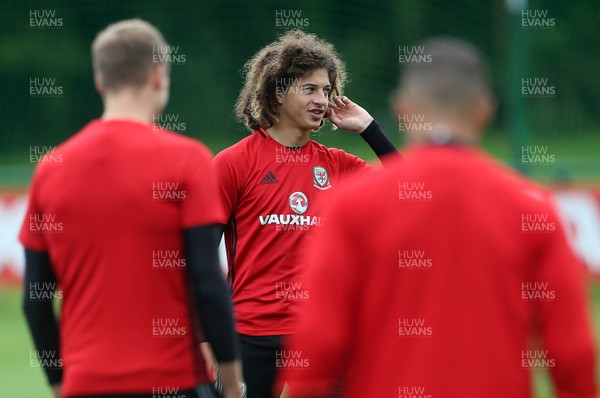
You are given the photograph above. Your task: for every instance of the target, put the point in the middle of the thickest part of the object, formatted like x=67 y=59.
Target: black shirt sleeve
x=378 y=141
x=209 y=290
x=40 y=284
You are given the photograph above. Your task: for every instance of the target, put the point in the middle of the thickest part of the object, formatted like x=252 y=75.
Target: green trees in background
x=217 y=37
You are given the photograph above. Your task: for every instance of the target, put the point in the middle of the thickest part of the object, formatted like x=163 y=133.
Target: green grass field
x=22 y=381
x=18 y=379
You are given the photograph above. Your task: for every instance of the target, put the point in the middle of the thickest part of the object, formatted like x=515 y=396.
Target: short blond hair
x=123 y=53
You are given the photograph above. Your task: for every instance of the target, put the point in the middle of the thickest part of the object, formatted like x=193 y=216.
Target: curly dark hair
x=275 y=67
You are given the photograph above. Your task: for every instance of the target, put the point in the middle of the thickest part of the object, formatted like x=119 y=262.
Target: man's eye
x=307 y=90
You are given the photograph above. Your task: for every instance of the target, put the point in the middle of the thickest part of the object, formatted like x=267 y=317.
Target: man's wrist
x=364 y=126
x=239 y=390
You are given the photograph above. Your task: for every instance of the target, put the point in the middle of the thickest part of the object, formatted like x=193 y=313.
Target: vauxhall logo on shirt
x=298 y=204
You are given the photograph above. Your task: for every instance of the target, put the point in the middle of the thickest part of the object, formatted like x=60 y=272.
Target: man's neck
x=127 y=107
x=288 y=136
x=446 y=132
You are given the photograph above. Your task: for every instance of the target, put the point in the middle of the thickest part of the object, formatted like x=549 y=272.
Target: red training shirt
x=109 y=206
x=269 y=193
x=432 y=279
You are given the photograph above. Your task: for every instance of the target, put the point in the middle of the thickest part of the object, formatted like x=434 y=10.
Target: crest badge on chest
x=321 y=178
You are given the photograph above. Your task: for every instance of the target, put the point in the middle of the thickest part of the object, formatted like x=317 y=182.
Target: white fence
x=579 y=210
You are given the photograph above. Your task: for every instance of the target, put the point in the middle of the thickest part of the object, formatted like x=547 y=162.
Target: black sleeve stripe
x=232 y=231
x=377 y=140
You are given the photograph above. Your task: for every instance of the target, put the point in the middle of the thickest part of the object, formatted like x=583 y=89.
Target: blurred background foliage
x=218 y=36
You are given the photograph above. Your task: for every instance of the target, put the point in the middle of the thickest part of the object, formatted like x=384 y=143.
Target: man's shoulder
x=525 y=189
x=180 y=145
x=67 y=150
x=370 y=190
x=329 y=151
x=244 y=148
x=448 y=173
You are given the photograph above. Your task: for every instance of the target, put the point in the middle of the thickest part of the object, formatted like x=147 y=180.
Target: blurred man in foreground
x=447 y=276
x=122 y=219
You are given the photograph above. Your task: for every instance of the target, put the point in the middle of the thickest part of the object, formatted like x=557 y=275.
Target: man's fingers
x=332 y=116
x=346 y=100
x=338 y=101
x=330 y=112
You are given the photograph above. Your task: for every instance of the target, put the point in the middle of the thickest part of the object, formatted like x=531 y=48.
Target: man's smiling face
x=304 y=102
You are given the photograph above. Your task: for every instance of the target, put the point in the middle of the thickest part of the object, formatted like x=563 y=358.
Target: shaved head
x=452 y=82
x=451 y=93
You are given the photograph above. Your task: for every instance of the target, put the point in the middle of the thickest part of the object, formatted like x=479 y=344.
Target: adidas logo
x=269 y=179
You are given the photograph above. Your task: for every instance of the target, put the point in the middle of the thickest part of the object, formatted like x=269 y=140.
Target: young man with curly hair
x=271 y=183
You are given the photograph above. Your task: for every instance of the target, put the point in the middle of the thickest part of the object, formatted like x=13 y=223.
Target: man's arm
x=565 y=325
x=211 y=299
x=349 y=116
x=378 y=141
x=39 y=312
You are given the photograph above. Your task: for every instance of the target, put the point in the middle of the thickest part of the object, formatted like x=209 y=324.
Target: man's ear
x=401 y=104
x=484 y=111
x=279 y=97
x=158 y=76
x=98 y=84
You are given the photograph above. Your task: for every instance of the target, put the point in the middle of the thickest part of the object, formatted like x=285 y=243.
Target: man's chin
x=309 y=125
x=314 y=125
